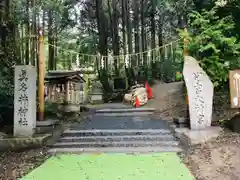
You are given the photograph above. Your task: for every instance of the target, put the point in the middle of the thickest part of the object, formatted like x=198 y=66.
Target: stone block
x=18 y=143
x=194 y=137
x=25 y=100
x=200 y=94
x=48 y=122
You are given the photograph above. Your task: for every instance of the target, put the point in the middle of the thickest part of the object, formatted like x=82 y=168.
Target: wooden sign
x=234 y=84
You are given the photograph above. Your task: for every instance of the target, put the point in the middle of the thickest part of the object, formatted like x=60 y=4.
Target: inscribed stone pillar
x=25 y=100
x=200 y=94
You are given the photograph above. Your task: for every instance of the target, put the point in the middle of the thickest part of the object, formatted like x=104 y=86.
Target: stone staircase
x=125 y=111
x=104 y=133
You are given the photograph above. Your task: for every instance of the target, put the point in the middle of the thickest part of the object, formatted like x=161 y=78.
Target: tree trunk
x=34 y=34
x=136 y=29
x=115 y=37
x=55 y=43
x=50 y=41
x=102 y=26
x=160 y=32
x=143 y=35
x=124 y=46
x=27 y=33
x=153 y=25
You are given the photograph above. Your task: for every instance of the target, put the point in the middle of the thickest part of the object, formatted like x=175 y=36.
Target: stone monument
x=25 y=100
x=96 y=92
x=200 y=94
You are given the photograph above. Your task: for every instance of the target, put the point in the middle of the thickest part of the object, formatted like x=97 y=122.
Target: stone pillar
x=200 y=94
x=25 y=100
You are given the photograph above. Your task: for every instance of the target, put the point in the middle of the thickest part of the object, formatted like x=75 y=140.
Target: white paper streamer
x=165 y=52
x=127 y=60
x=102 y=62
x=149 y=57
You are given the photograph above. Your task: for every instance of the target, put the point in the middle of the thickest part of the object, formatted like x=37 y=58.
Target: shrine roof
x=64 y=75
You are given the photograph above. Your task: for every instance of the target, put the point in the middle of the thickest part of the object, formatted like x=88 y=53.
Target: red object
x=150 y=95
x=137 y=103
x=149 y=90
x=147 y=86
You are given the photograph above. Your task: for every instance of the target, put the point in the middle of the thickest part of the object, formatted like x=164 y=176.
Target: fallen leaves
x=14 y=165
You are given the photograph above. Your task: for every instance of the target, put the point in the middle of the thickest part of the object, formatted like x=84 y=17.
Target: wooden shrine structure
x=64 y=87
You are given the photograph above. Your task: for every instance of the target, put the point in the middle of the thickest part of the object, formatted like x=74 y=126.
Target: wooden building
x=65 y=87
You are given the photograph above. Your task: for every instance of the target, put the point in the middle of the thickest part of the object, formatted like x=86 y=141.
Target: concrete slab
x=46 y=123
x=193 y=137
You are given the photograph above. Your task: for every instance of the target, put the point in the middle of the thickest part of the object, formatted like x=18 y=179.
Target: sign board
x=234 y=84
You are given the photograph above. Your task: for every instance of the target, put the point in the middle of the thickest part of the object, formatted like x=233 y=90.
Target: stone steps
x=138 y=143
x=115 y=150
x=125 y=112
x=116 y=140
x=119 y=114
x=118 y=130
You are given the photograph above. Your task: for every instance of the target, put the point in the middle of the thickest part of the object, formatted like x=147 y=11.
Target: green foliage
x=149 y=74
x=179 y=76
x=171 y=62
x=51 y=110
x=6 y=96
x=212 y=45
x=104 y=79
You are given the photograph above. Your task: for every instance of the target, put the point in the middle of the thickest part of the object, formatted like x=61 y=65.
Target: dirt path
x=169 y=99
x=216 y=160
x=14 y=165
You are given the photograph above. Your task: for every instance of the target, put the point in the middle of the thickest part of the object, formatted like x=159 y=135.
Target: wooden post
x=41 y=76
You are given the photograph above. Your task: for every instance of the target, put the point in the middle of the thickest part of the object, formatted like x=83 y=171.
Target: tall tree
x=124 y=20
x=27 y=33
x=153 y=24
x=34 y=33
x=102 y=29
x=50 y=40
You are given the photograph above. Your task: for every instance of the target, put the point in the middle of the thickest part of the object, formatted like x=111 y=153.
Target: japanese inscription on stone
x=199 y=100
x=200 y=94
x=25 y=100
